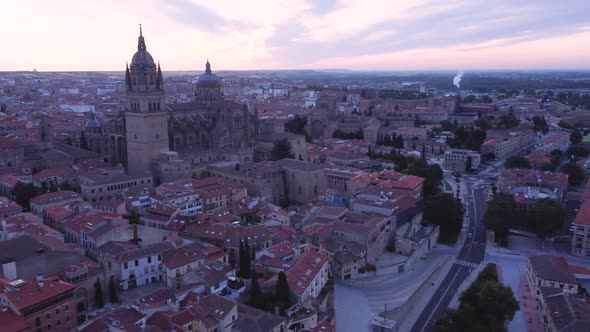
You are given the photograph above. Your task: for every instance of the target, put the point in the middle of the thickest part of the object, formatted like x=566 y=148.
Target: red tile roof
x=31 y=294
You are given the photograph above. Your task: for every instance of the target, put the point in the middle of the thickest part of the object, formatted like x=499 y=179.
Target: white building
x=134 y=265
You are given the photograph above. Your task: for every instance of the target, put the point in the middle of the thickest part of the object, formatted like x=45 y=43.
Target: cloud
x=188 y=13
x=426 y=25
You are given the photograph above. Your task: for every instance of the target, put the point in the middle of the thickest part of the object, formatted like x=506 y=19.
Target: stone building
x=171 y=140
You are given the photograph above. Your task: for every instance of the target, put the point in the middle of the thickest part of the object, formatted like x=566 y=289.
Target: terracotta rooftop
x=31 y=294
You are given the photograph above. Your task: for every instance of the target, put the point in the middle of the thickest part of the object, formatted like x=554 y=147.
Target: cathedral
x=173 y=140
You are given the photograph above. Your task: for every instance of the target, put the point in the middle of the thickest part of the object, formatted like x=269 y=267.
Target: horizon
x=298 y=35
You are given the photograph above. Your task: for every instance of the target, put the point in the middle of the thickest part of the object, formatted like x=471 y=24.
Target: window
x=67 y=307
x=38 y=321
x=48 y=315
x=57 y=311
x=149 y=259
x=125 y=266
x=58 y=322
x=49 y=327
x=136 y=262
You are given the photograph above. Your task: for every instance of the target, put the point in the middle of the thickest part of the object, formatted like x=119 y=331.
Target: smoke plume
x=457 y=79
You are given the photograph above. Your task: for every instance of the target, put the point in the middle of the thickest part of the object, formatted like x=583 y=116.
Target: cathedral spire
x=140 y=40
x=127 y=76
x=159 y=78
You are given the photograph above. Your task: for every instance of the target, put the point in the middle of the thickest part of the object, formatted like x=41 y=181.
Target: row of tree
x=24 y=192
x=396 y=141
x=280 y=298
x=485 y=306
x=349 y=135
x=99 y=295
x=545 y=218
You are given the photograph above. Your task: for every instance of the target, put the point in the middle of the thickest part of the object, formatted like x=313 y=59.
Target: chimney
x=40 y=280
x=9 y=269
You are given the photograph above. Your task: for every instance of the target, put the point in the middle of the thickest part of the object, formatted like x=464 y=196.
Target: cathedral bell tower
x=146 y=119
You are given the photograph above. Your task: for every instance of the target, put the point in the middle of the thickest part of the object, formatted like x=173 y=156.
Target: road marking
x=439 y=300
x=466 y=263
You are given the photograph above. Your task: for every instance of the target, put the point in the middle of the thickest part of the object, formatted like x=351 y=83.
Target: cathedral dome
x=208 y=78
x=92 y=121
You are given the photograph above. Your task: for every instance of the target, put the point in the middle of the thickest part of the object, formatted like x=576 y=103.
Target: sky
x=92 y=35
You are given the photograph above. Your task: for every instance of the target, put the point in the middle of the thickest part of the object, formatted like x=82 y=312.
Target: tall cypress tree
x=113 y=291
x=247 y=259
x=98 y=293
x=241 y=259
x=282 y=293
x=256 y=296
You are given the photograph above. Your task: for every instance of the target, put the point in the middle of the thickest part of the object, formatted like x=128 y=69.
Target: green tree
x=576 y=137
x=500 y=215
x=113 y=290
x=555 y=157
x=545 y=217
x=281 y=149
x=83 y=140
x=447 y=212
x=98 y=294
x=282 y=292
x=548 y=167
x=485 y=306
x=540 y=124
x=23 y=193
x=517 y=162
x=296 y=125
x=256 y=296
x=578 y=151
x=245 y=260
x=575 y=173
x=66 y=186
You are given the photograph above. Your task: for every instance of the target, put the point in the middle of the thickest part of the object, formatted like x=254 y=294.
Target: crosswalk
x=466 y=263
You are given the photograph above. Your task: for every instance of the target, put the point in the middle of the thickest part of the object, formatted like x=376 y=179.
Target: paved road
x=471 y=254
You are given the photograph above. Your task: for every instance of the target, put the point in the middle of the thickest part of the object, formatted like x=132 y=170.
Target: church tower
x=146 y=119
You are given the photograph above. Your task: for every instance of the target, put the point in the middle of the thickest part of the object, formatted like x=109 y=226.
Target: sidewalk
x=407 y=314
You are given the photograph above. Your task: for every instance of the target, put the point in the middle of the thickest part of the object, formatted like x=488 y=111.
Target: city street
x=470 y=256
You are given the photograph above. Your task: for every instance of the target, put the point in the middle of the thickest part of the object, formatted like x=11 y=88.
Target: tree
x=281 y=149
x=578 y=151
x=500 y=215
x=23 y=193
x=517 y=162
x=447 y=212
x=555 y=157
x=485 y=306
x=545 y=218
x=98 y=294
x=282 y=292
x=575 y=173
x=66 y=186
x=540 y=124
x=83 y=140
x=113 y=290
x=296 y=125
x=69 y=141
x=256 y=296
x=245 y=261
x=547 y=167
x=576 y=137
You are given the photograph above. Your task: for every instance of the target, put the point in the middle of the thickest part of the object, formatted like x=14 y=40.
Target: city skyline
x=376 y=35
